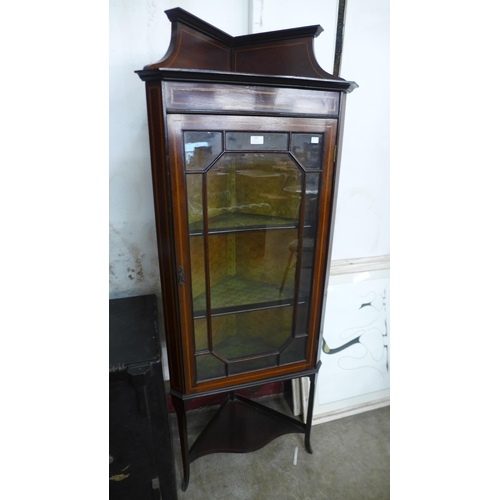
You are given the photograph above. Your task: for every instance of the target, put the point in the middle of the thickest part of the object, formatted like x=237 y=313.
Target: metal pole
x=339 y=42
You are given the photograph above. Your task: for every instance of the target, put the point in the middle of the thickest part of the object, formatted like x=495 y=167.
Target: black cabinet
x=140 y=447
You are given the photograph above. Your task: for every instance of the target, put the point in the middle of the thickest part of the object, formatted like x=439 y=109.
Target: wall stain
x=131 y=268
x=137 y=273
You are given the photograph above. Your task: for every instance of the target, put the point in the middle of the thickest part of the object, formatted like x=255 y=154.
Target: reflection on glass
x=312 y=193
x=308 y=149
x=198 y=292
x=194 y=188
x=308 y=252
x=251 y=333
x=238 y=141
x=302 y=318
x=294 y=352
x=252 y=364
x=197 y=252
x=250 y=190
x=201 y=149
x=200 y=334
x=248 y=269
x=209 y=367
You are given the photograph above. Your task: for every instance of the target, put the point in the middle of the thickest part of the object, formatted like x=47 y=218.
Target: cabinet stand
x=240 y=425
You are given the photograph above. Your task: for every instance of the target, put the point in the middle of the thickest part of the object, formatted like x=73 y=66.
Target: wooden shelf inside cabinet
x=245 y=138
x=230 y=223
x=239 y=294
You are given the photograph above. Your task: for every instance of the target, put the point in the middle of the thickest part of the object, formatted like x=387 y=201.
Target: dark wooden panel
x=197 y=45
x=249 y=79
x=284 y=57
x=199 y=97
x=161 y=189
x=194 y=50
x=242 y=426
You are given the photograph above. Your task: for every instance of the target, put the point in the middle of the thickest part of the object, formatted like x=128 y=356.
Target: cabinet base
x=240 y=425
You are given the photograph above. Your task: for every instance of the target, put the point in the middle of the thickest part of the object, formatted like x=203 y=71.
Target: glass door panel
x=248 y=271
x=194 y=187
x=249 y=365
x=198 y=285
x=248 y=191
x=210 y=367
x=252 y=205
x=247 y=341
x=251 y=333
x=201 y=335
x=307 y=250
x=308 y=149
x=261 y=256
x=201 y=149
x=294 y=352
x=238 y=141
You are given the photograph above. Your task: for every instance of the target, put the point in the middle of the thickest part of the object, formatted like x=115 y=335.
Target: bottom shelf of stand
x=242 y=425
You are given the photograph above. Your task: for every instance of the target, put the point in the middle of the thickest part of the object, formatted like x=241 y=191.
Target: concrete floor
x=350 y=460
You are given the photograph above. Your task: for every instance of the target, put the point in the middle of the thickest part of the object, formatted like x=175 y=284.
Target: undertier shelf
x=241 y=426
x=236 y=294
x=232 y=222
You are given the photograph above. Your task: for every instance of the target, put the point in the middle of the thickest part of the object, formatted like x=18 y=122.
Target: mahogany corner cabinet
x=245 y=135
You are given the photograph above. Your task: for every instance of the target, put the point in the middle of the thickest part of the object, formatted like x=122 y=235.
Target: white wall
x=362 y=222
x=269 y=15
x=140 y=34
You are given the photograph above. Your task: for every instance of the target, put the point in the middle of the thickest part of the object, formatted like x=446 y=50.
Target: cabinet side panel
x=335 y=188
x=161 y=190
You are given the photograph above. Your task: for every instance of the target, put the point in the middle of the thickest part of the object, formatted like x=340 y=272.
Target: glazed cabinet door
x=252 y=201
